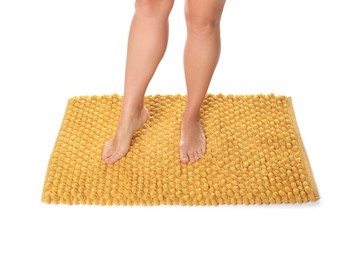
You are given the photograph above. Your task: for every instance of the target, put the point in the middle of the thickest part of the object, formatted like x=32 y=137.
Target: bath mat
x=254 y=154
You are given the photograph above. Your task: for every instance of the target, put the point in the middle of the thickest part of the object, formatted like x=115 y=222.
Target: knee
x=203 y=21
x=153 y=8
x=201 y=25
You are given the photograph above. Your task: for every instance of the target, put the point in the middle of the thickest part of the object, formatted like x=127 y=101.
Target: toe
x=111 y=159
x=191 y=157
x=199 y=153
x=196 y=156
x=108 y=159
x=203 y=150
x=117 y=155
x=106 y=151
x=184 y=159
x=183 y=155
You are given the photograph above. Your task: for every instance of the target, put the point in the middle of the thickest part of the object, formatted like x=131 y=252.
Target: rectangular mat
x=254 y=154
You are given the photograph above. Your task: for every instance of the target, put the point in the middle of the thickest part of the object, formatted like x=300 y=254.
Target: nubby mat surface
x=254 y=154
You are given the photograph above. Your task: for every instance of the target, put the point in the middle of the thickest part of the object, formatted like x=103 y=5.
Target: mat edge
x=68 y=102
x=302 y=148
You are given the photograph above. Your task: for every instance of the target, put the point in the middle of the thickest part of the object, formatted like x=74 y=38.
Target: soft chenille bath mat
x=255 y=154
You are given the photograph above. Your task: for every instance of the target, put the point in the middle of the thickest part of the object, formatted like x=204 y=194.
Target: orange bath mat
x=255 y=154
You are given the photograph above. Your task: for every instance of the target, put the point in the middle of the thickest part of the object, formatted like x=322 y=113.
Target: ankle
x=129 y=111
x=191 y=115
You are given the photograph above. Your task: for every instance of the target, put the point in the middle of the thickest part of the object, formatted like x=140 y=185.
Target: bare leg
x=201 y=55
x=147 y=44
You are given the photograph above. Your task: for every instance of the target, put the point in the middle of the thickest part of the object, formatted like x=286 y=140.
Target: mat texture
x=255 y=154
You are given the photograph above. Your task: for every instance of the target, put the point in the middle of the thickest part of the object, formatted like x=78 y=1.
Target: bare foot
x=119 y=145
x=192 y=141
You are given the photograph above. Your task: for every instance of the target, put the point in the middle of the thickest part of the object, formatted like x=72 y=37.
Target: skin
x=147 y=44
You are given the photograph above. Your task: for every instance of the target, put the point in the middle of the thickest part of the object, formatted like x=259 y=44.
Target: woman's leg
x=201 y=55
x=147 y=43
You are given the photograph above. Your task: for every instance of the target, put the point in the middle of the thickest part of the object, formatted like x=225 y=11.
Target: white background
x=53 y=50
